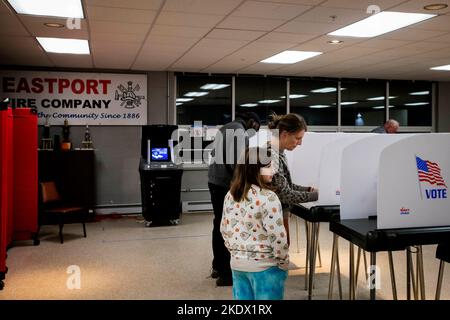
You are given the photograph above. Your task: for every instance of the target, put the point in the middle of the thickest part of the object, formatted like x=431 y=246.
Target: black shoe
x=224 y=281
x=214 y=274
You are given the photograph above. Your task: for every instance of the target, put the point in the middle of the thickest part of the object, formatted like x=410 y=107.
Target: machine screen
x=160 y=154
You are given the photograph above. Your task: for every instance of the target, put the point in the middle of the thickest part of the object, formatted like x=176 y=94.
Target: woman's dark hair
x=290 y=122
x=247 y=172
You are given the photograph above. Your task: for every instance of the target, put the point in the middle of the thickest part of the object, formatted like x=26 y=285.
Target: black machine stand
x=160 y=177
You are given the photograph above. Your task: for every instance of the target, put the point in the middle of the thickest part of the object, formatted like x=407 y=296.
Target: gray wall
x=117 y=148
x=443 y=109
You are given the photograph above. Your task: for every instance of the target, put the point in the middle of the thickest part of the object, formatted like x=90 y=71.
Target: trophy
x=87 y=142
x=46 y=141
x=66 y=145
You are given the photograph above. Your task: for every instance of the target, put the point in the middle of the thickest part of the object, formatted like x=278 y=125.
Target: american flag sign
x=429 y=172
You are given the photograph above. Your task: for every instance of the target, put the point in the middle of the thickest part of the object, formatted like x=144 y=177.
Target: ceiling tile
x=113 y=62
x=411 y=34
x=38 y=29
x=242 y=23
x=24 y=59
x=261 y=68
x=217 y=7
x=120 y=14
x=361 y=4
x=294 y=38
x=130 y=4
x=4 y=8
x=154 y=61
x=105 y=48
x=228 y=34
x=179 y=31
x=332 y=15
x=269 y=10
x=416 y=6
x=440 y=23
x=71 y=60
x=117 y=37
x=305 y=27
x=321 y=44
x=382 y=43
x=10 y=25
x=188 y=19
x=302 y=2
x=19 y=45
x=156 y=41
x=443 y=38
x=118 y=27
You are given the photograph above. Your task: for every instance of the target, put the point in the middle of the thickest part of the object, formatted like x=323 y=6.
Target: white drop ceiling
x=232 y=36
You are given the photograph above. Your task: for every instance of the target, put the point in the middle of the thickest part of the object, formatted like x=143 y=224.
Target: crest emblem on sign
x=128 y=96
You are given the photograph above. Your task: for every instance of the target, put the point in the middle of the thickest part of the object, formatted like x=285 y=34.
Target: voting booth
x=401 y=179
x=413 y=182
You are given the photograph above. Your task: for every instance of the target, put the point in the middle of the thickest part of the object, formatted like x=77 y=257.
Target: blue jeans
x=263 y=285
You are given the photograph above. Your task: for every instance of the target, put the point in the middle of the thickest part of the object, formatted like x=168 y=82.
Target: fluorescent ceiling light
x=444 y=68
x=178 y=103
x=416 y=104
x=249 y=105
x=381 y=23
x=184 y=99
x=326 y=90
x=319 y=106
x=294 y=96
x=195 y=94
x=59 y=45
x=381 y=107
x=49 y=8
x=379 y=98
x=419 y=93
x=269 y=101
x=214 y=86
x=347 y=103
x=289 y=56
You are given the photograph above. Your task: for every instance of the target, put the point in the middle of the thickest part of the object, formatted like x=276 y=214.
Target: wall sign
x=81 y=98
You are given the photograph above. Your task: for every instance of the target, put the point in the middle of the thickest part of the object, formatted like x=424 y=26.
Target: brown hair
x=247 y=172
x=290 y=122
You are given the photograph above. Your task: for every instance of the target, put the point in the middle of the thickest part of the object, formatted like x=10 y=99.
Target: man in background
x=225 y=153
x=390 y=126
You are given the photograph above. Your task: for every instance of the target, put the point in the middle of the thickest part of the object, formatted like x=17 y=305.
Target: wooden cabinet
x=74 y=174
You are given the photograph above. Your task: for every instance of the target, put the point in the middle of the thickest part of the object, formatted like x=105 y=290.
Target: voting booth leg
x=308 y=245
x=312 y=251
x=318 y=246
x=334 y=266
x=420 y=272
x=351 y=286
x=439 y=282
x=391 y=268
x=358 y=261
x=297 y=232
x=313 y=254
x=411 y=280
x=373 y=262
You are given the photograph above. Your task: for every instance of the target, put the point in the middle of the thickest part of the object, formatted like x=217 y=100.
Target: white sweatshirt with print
x=253 y=231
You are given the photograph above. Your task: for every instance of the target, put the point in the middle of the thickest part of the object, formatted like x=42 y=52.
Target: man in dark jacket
x=230 y=141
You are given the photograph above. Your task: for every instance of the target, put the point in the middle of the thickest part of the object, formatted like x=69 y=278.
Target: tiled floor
x=121 y=259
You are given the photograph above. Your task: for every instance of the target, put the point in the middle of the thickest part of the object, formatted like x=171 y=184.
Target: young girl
x=253 y=230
